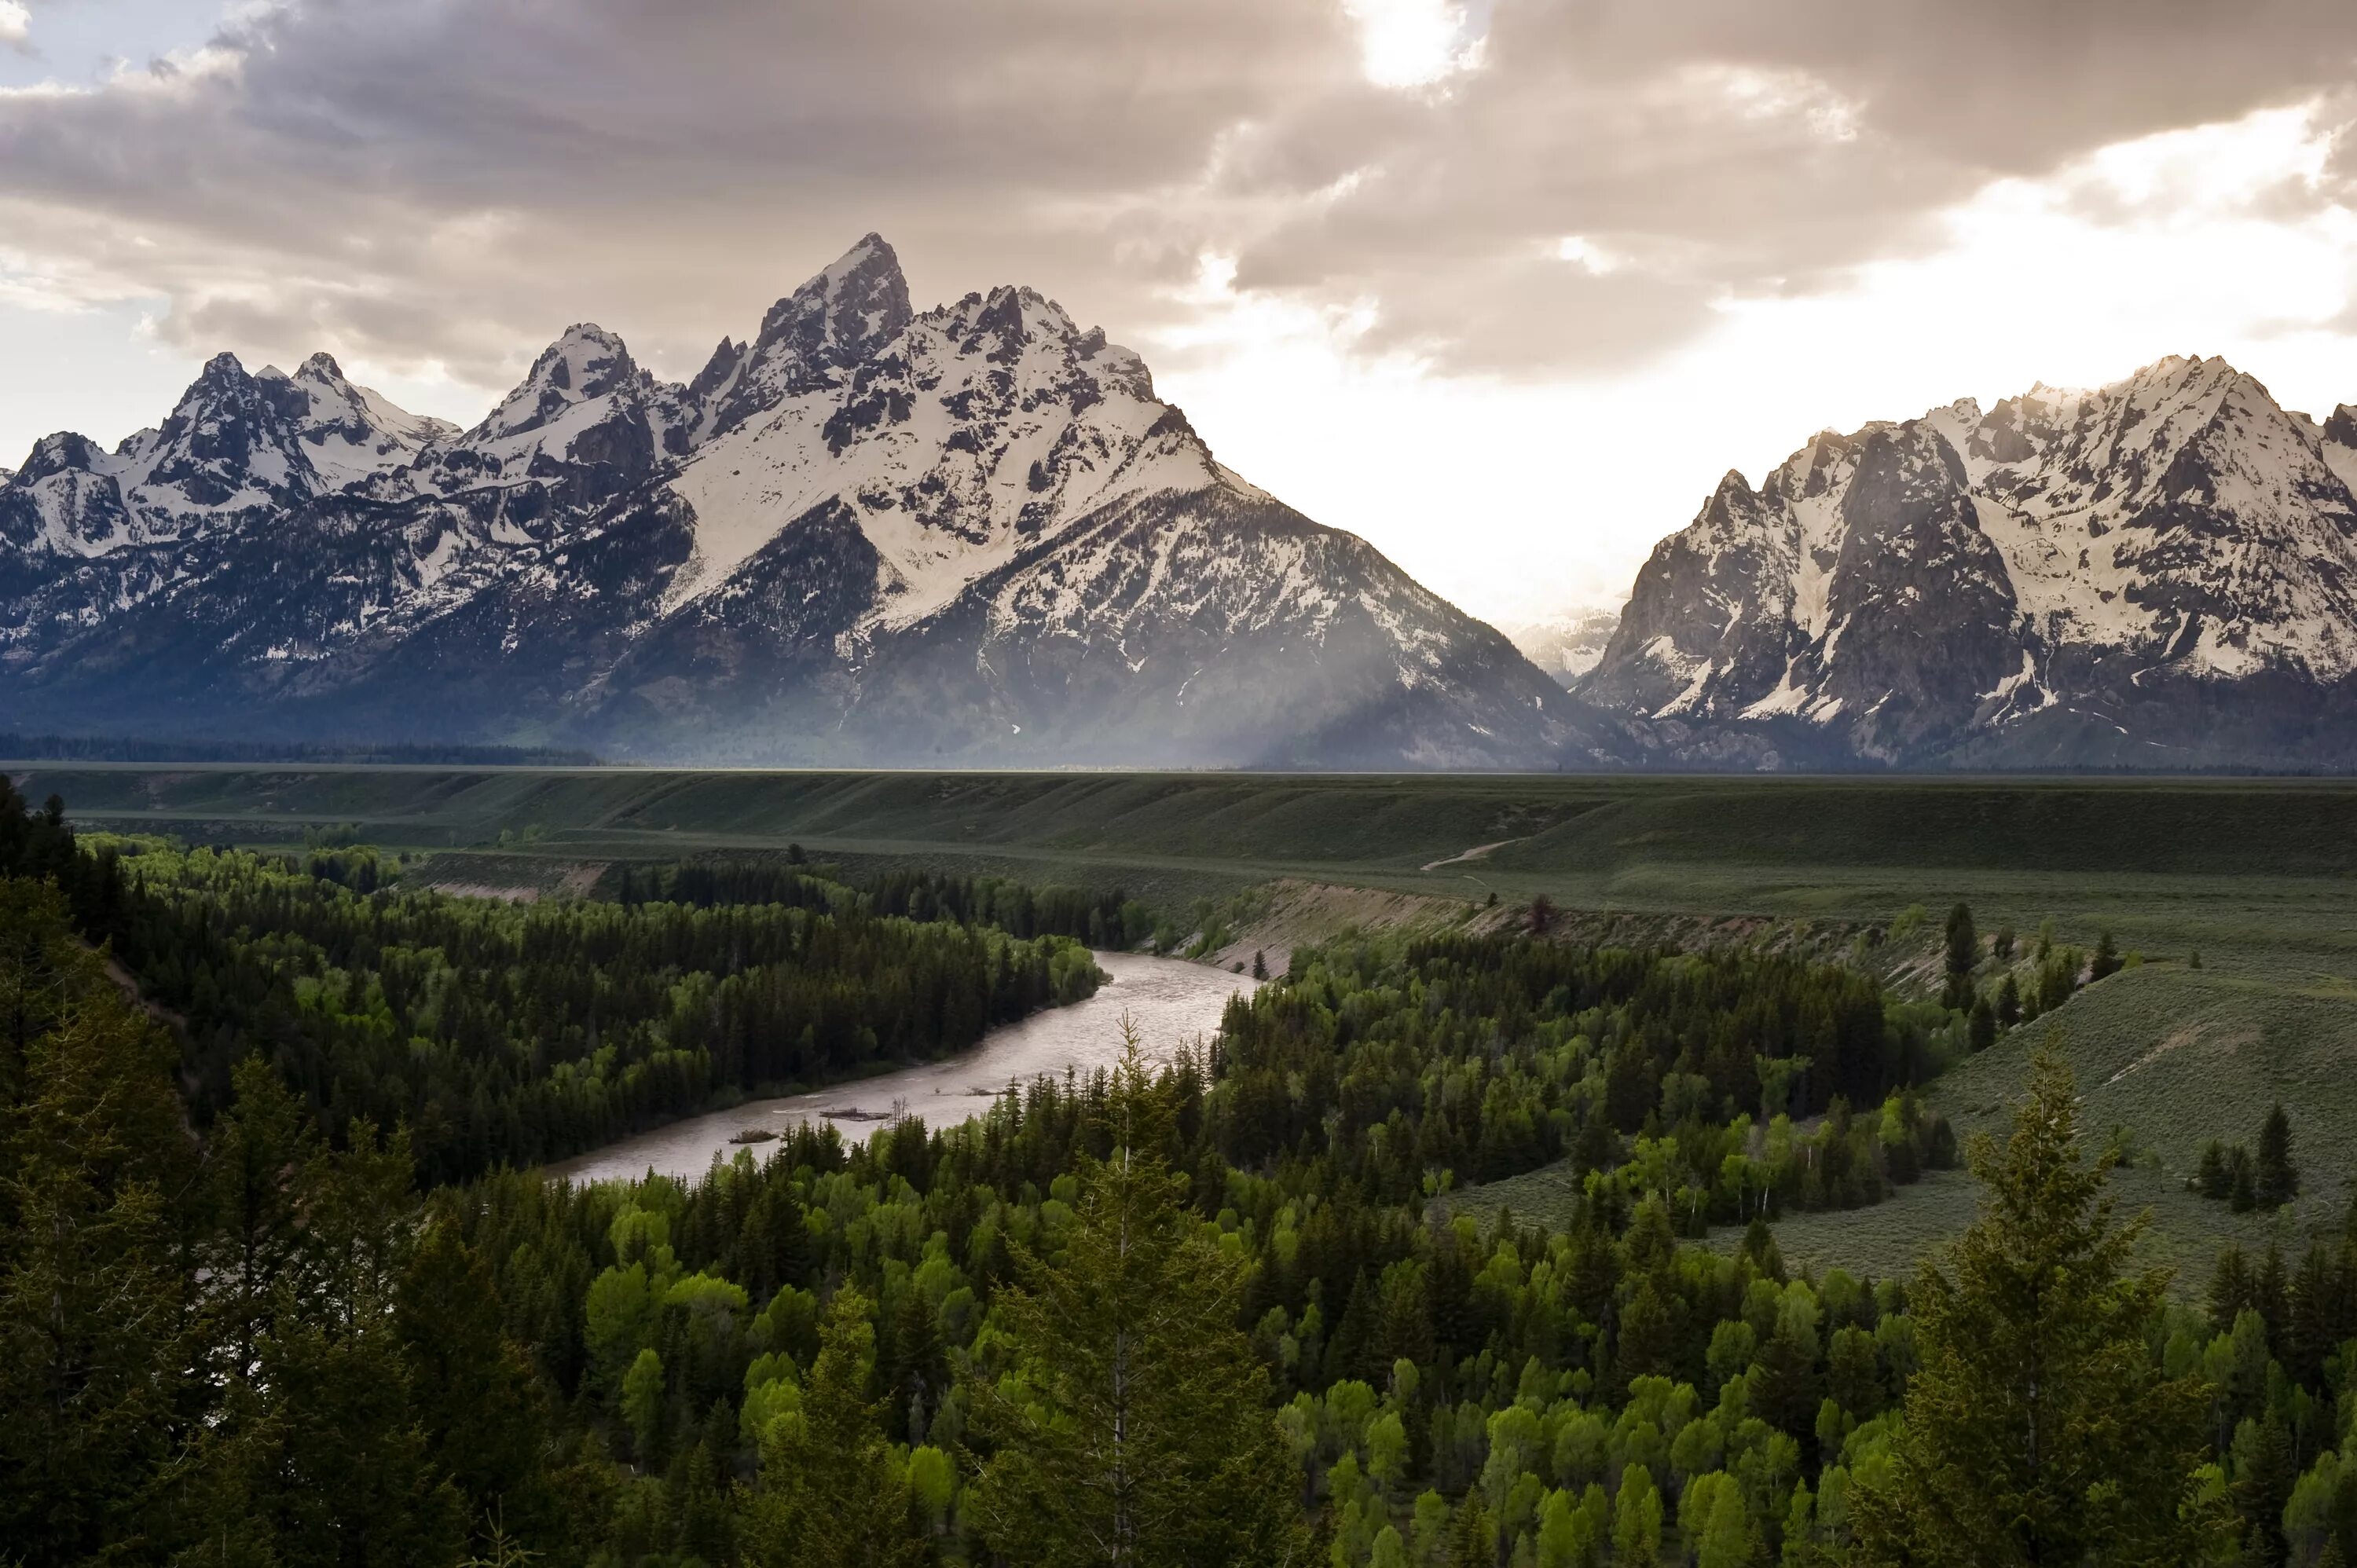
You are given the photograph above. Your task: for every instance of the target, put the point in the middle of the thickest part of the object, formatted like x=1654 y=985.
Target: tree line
x=509 y=1033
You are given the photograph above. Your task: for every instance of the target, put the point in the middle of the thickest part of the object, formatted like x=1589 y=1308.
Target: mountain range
x=866 y=536
x=2158 y=574
x=863 y=535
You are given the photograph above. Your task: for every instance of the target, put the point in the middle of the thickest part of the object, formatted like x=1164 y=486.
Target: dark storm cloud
x=454 y=179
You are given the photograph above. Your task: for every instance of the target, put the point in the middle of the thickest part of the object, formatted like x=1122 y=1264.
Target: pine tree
x=1964 y=953
x=2038 y=1429
x=2274 y=1180
x=2232 y=1292
x=92 y=1330
x=2008 y=1002
x=1132 y=1425
x=2210 y=1178
x=2242 y=1184
x=2106 y=959
x=258 y=1149
x=2264 y=1471
x=1473 y=1539
x=1349 y=1349
x=471 y=1386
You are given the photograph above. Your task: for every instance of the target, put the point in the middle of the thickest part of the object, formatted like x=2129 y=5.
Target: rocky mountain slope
x=2161 y=572
x=866 y=535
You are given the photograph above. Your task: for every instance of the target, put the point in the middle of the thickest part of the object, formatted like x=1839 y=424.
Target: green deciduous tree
x=2039 y=1429
x=830 y=1494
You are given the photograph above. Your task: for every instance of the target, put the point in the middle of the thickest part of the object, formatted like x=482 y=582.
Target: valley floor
x=2257 y=877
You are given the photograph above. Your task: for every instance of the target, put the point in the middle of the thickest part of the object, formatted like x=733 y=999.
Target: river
x=1171 y=1000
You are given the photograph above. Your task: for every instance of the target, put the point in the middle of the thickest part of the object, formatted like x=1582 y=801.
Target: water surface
x=1172 y=1001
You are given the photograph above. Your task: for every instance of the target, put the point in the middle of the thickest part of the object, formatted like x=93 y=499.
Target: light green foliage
x=932 y=1480
x=831 y=1493
x=1717 y=1524
x=642 y=1401
x=1431 y=1527
x=1637 y=1519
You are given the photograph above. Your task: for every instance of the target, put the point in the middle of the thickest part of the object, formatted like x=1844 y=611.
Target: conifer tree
x=1473 y=1539
x=2242 y=1186
x=2210 y=1176
x=1131 y=1425
x=92 y=1332
x=1964 y=953
x=2274 y=1180
x=2106 y=959
x=2265 y=1470
x=2037 y=1428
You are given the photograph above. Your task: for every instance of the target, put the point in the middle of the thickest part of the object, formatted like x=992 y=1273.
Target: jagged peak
x=846 y=311
x=586 y=334
x=586 y=361
x=718 y=369
x=58 y=452
x=872 y=251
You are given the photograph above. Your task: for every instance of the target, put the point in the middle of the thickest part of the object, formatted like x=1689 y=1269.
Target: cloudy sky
x=1503 y=285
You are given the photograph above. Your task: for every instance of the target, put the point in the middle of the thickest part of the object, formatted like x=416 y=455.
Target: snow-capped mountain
x=2159 y=572
x=236 y=444
x=865 y=534
x=1565 y=646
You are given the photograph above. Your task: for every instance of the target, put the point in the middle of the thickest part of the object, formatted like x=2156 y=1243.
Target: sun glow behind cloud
x=1521 y=500
x=1414 y=43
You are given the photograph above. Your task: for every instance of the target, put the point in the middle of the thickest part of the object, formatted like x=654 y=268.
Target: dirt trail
x=1479 y=851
